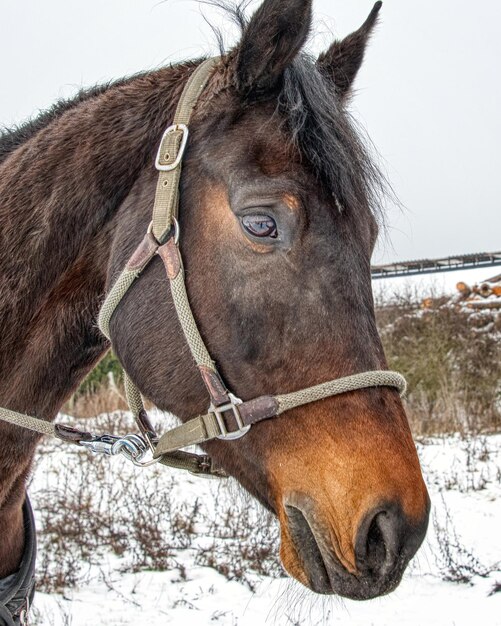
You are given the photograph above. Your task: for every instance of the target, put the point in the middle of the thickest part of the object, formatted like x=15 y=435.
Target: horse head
x=278 y=219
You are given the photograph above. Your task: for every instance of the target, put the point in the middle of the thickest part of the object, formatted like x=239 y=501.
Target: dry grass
x=93 y=509
x=452 y=361
x=244 y=542
x=456 y=562
x=105 y=399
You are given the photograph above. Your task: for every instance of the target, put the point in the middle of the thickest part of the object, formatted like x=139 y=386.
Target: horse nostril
x=375 y=547
x=378 y=542
x=386 y=540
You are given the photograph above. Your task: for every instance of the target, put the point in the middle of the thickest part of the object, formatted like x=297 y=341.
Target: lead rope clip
x=133 y=447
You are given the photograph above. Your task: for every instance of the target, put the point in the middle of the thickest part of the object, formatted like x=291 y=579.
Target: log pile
x=482 y=301
x=482 y=296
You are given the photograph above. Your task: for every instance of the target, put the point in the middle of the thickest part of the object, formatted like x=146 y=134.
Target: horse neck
x=60 y=192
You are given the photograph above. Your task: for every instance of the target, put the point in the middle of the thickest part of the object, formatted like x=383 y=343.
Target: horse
x=279 y=207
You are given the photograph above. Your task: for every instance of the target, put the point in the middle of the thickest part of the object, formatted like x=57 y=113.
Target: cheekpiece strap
x=171 y=151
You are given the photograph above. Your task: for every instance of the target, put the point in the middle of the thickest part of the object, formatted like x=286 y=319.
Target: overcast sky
x=429 y=93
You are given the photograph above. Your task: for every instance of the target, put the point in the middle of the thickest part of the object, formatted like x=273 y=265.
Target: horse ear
x=271 y=40
x=343 y=59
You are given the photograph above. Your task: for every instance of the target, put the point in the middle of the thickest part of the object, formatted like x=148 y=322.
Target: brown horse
x=278 y=209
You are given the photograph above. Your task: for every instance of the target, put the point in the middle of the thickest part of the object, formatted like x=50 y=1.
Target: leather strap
x=17 y=590
x=143 y=254
x=214 y=385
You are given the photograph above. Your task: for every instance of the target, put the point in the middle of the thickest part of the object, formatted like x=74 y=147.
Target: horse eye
x=260 y=225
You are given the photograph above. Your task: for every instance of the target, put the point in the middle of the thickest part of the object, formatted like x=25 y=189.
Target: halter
x=228 y=417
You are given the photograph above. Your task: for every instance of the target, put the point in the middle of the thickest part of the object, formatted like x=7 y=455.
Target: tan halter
x=228 y=417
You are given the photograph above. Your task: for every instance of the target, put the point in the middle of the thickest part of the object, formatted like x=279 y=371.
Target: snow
x=426 y=285
x=464 y=479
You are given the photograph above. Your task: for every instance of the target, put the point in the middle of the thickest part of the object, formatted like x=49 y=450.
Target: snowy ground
x=464 y=541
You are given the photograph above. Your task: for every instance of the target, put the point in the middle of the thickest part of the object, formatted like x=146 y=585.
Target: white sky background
x=429 y=93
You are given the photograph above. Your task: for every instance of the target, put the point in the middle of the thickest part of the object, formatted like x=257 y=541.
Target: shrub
x=455 y=561
x=100 y=375
x=452 y=365
x=92 y=507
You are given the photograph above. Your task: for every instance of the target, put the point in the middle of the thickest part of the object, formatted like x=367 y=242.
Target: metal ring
x=177 y=230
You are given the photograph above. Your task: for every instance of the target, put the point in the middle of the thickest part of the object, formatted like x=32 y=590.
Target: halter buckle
x=232 y=406
x=184 y=140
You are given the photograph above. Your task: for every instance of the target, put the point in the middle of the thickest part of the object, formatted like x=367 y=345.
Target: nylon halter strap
x=228 y=417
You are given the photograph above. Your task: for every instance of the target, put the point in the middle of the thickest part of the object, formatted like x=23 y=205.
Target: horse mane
x=12 y=138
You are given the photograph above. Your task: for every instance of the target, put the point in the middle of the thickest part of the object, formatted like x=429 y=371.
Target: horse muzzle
x=383 y=544
x=350 y=496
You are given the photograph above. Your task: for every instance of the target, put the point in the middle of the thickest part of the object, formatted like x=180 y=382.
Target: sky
x=429 y=93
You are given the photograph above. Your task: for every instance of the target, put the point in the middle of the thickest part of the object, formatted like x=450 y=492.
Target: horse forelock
x=319 y=124
x=330 y=140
